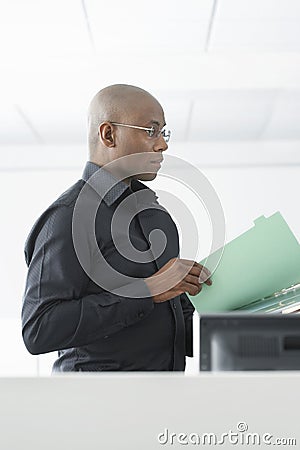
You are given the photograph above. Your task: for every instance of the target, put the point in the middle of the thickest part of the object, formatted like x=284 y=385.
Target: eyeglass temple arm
x=131 y=126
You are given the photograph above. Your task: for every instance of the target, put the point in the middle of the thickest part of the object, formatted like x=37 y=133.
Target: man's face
x=146 y=113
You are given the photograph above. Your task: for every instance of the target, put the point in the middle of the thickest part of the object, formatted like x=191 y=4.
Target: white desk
x=128 y=411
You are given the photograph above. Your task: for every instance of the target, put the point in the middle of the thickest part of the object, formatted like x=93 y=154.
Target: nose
x=160 y=144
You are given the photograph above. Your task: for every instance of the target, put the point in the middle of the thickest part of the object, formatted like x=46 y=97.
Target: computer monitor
x=236 y=341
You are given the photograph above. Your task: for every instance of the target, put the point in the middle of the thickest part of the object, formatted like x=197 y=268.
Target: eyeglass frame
x=149 y=130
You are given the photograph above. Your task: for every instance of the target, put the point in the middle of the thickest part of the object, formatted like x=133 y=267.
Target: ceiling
x=224 y=70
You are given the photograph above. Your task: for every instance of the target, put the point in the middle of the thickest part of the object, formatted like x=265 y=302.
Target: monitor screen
x=241 y=341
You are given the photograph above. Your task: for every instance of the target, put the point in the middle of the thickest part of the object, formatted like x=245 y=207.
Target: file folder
x=259 y=262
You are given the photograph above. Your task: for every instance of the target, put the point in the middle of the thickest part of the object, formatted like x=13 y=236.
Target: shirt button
x=105 y=337
x=174 y=306
x=141 y=314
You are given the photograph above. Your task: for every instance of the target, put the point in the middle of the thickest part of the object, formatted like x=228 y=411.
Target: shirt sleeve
x=188 y=311
x=56 y=313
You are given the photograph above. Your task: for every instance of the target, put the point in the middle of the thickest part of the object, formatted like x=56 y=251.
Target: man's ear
x=106 y=134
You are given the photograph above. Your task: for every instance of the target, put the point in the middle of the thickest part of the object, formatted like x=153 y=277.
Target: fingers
x=202 y=269
x=195 y=281
x=191 y=279
x=183 y=274
x=195 y=266
x=198 y=270
x=191 y=289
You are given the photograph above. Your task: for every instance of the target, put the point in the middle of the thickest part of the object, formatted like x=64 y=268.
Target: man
x=98 y=321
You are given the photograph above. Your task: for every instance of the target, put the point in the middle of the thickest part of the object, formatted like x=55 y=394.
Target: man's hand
x=183 y=275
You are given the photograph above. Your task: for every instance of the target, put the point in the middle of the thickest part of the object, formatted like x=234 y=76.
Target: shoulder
x=62 y=206
x=68 y=198
x=57 y=218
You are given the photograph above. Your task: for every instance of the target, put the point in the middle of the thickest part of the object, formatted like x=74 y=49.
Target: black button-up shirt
x=92 y=328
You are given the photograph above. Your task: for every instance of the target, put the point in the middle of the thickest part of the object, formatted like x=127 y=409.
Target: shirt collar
x=106 y=180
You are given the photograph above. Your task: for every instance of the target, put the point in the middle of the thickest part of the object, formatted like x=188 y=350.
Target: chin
x=147 y=176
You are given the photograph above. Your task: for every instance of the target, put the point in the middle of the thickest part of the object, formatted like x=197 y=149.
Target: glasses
x=153 y=132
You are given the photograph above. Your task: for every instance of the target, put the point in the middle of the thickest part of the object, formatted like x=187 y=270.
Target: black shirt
x=93 y=327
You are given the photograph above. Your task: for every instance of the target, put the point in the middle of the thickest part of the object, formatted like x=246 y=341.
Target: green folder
x=259 y=262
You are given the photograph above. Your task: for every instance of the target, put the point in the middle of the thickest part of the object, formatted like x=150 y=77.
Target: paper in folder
x=259 y=262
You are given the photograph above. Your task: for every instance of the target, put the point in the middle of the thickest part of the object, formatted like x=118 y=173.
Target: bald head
x=116 y=103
